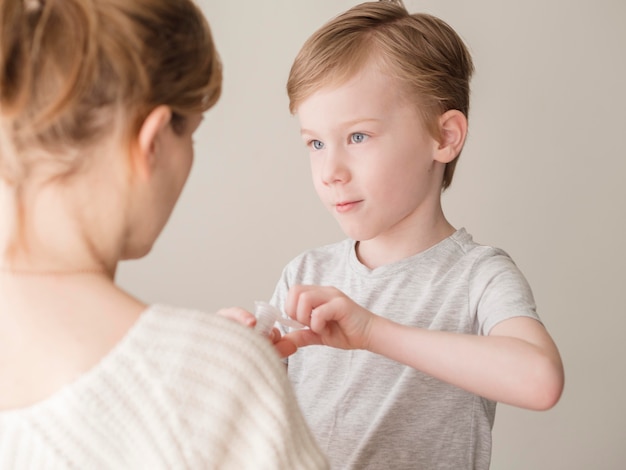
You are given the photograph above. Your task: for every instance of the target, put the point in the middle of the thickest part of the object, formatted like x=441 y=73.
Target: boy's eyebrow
x=350 y=123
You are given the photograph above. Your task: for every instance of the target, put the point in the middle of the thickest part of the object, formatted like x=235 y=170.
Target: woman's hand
x=284 y=346
x=238 y=314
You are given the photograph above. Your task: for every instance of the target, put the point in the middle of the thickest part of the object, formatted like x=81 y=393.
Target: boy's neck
x=391 y=248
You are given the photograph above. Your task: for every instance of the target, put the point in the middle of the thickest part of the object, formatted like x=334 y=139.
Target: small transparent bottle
x=267 y=316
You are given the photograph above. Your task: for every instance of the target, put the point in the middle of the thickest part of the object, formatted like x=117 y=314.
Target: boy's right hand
x=334 y=319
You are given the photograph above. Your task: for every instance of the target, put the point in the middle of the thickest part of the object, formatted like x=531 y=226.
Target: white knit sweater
x=182 y=390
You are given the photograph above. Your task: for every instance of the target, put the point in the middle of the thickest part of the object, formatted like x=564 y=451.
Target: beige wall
x=542 y=176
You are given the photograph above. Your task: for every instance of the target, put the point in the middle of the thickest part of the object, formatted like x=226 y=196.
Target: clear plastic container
x=267 y=316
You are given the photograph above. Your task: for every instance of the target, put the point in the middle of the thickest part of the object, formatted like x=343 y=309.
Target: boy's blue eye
x=358 y=137
x=317 y=144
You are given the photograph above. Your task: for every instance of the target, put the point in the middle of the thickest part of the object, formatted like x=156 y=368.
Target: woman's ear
x=453 y=129
x=149 y=140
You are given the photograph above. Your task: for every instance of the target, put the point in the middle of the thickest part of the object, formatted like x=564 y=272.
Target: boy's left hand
x=334 y=319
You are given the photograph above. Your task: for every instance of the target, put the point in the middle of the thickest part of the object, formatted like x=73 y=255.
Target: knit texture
x=183 y=390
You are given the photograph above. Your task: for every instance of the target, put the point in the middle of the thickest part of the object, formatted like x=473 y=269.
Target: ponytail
x=47 y=39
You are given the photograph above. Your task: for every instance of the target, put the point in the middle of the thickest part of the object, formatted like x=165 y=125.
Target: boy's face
x=373 y=162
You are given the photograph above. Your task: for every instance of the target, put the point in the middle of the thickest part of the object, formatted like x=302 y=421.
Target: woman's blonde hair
x=69 y=69
x=422 y=53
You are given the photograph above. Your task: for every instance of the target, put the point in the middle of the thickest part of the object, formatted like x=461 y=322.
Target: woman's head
x=74 y=72
x=421 y=53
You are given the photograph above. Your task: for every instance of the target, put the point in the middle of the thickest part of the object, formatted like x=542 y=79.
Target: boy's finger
x=285 y=347
x=302 y=338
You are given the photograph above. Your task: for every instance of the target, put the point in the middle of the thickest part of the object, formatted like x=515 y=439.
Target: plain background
x=542 y=176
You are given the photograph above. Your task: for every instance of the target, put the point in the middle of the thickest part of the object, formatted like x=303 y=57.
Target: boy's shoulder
x=484 y=263
x=461 y=256
x=465 y=243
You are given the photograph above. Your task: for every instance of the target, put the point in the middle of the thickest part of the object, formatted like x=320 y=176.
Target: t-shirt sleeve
x=499 y=291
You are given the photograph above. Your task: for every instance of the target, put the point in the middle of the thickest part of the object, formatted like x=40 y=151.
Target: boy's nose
x=335 y=168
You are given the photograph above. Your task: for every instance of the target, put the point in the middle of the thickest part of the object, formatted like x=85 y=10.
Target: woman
x=99 y=100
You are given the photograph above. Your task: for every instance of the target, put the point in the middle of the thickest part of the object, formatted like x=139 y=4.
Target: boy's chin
x=136 y=252
x=355 y=234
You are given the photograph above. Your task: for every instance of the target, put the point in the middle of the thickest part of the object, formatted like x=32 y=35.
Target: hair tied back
x=393 y=2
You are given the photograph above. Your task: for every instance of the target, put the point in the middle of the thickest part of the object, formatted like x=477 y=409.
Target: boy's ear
x=453 y=129
x=149 y=140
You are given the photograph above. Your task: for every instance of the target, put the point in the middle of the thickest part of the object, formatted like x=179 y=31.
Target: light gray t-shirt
x=369 y=412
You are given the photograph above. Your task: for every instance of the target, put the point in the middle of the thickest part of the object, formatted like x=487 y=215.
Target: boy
x=416 y=331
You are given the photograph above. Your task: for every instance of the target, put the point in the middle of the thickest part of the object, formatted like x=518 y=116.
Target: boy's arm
x=518 y=363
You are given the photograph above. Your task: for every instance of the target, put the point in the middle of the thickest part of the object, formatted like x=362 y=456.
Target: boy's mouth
x=345 y=206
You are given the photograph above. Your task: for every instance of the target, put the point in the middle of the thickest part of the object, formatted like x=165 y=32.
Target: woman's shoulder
x=227 y=380
x=190 y=338
x=181 y=383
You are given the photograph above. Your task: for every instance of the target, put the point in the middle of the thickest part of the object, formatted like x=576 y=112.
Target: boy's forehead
x=364 y=89
x=365 y=98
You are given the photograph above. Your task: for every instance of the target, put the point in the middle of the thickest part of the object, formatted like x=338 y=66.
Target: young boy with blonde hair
x=415 y=330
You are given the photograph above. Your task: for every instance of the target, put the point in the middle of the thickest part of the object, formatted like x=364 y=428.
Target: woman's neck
x=47 y=233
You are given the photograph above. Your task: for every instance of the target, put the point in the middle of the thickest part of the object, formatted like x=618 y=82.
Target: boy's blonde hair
x=72 y=72
x=424 y=54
